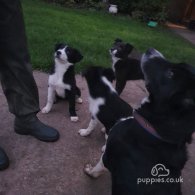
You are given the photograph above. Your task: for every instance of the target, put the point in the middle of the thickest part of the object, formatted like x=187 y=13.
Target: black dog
x=125 y=67
x=153 y=143
x=104 y=103
x=62 y=81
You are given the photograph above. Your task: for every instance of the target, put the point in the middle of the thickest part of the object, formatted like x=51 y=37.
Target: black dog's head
x=94 y=73
x=120 y=49
x=65 y=54
x=169 y=83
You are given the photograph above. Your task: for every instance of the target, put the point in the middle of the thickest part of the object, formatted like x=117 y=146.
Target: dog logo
x=160 y=171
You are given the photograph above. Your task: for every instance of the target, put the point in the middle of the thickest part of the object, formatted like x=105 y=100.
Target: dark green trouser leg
x=16 y=76
x=15 y=70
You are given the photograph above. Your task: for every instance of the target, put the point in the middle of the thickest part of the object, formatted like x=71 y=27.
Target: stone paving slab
x=182 y=31
x=186 y=34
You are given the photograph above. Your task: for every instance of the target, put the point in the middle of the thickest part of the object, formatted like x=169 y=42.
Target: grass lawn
x=93 y=33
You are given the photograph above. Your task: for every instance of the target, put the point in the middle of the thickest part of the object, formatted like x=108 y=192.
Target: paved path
x=183 y=32
x=186 y=34
x=38 y=168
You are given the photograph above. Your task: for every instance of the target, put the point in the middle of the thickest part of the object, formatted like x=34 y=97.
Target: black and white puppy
x=62 y=82
x=104 y=103
x=125 y=67
x=153 y=143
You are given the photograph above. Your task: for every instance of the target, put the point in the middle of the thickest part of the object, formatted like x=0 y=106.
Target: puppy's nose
x=58 y=53
x=150 y=51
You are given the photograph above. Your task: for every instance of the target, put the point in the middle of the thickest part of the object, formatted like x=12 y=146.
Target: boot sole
x=45 y=139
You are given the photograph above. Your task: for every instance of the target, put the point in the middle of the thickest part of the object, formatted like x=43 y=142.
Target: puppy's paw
x=88 y=169
x=103 y=130
x=74 y=118
x=79 y=100
x=103 y=148
x=45 y=110
x=84 y=132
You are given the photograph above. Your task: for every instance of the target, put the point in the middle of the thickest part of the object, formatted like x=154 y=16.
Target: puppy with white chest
x=104 y=103
x=62 y=82
x=153 y=143
x=125 y=66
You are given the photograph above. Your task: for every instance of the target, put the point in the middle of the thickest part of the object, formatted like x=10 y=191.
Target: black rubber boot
x=31 y=125
x=4 y=161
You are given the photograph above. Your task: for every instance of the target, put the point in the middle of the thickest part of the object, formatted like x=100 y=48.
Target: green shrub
x=155 y=10
x=74 y=2
x=143 y=9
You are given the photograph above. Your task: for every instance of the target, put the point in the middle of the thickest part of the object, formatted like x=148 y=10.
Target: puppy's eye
x=170 y=74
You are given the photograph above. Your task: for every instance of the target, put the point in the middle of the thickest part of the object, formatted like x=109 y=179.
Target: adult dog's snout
x=152 y=53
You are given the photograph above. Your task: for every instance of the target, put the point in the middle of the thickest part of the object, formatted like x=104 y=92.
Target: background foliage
x=93 y=33
x=143 y=10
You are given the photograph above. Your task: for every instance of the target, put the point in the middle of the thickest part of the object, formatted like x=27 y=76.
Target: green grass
x=93 y=33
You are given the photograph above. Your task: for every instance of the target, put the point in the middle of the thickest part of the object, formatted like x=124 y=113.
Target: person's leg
x=16 y=75
x=15 y=70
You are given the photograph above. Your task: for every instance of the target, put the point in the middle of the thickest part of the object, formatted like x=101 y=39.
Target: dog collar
x=147 y=126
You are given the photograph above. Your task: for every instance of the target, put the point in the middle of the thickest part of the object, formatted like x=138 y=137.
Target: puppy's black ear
x=58 y=46
x=109 y=74
x=129 y=48
x=92 y=72
x=117 y=40
x=85 y=70
x=76 y=57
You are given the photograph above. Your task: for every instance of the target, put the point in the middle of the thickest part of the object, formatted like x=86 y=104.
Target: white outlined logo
x=160 y=170
x=159 y=174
